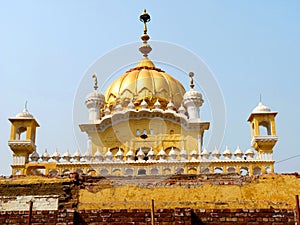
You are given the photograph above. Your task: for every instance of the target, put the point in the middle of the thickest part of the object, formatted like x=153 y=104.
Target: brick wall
x=45 y=217
x=243 y=216
x=180 y=216
x=134 y=217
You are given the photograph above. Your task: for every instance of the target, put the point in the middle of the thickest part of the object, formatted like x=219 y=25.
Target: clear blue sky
x=252 y=47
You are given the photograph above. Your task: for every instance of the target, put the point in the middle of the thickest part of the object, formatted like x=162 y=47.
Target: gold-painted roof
x=145 y=82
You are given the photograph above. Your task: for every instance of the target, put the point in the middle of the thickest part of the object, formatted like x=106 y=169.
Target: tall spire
x=145 y=49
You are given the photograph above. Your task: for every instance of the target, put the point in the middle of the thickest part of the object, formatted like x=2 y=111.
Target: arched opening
x=141 y=172
x=36 y=170
x=264 y=128
x=18 y=172
x=66 y=172
x=92 y=172
x=218 y=170
x=53 y=173
x=257 y=171
x=192 y=170
x=104 y=172
x=137 y=132
x=268 y=169
x=231 y=170
x=154 y=171
x=204 y=170
x=129 y=172
x=179 y=170
x=116 y=172
x=21 y=133
x=244 y=171
x=79 y=171
x=167 y=171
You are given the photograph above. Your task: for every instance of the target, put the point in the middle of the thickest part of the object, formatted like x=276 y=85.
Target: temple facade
x=146 y=123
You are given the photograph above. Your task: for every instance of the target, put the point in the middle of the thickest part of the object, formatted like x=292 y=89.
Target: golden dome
x=145 y=82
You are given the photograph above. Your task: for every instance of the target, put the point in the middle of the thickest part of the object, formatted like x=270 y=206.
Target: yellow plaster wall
x=123 y=135
x=277 y=191
x=32 y=180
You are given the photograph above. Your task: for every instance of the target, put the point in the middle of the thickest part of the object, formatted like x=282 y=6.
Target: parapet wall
x=178 y=216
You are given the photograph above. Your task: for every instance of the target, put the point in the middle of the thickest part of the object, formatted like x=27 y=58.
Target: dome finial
x=24 y=113
x=259 y=97
x=95 y=81
x=145 y=18
x=191 y=74
x=145 y=49
x=25 y=107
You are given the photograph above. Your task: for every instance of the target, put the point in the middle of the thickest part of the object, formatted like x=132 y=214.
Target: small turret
x=22 y=140
x=192 y=100
x=94 y=102
x=263 y=131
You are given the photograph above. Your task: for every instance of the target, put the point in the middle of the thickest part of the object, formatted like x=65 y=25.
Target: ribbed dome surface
x=145 y=82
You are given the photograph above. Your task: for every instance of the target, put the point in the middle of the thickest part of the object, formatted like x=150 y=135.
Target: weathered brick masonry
x=182 y=216
x=71 y=190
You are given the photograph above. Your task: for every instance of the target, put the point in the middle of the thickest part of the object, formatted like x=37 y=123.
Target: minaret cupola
x=94 y=102
x=192 y=100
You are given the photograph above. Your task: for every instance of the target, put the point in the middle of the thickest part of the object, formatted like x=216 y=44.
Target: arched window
x=244 y=171
x=129 y=172
x=167 y=171
x=116 y=172
x=104 y=172
x=154 y=171
x=53 y=172
x=218 y=170
x=256 y=171
x=79 y=171
x=21 y=133
x=268 y=169
x=231 y=170
x=264 y=128
x=92 y=172
x=141 y=172
x=192 y=170
x=66 y=172
x=204 y=170
x=179 y=170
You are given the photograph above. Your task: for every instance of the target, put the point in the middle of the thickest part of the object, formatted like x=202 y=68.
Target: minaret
x=263 y=131
x=22 y=140
x=94 y=102
x=192 y=100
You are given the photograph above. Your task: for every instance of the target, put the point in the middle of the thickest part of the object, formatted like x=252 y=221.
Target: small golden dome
x=145 y=82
